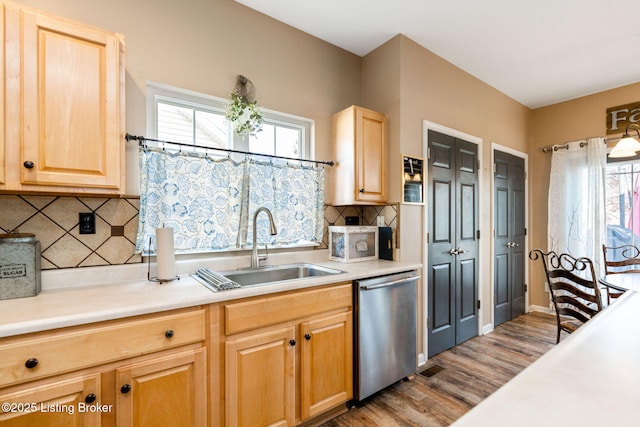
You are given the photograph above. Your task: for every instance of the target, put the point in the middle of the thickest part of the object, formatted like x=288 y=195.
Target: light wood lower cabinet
x=296 y=364
x=260 y=379
x=166 y=391
x=326 y=363
x=59 y=403
x=144 y=371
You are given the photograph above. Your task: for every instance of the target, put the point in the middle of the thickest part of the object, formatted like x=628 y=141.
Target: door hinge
x=427 y=321
x=526 y=287
x=495 y=168
x=525 y=231
x=478 y=304
x=428 y=238
x=478 y=161
x=478 y=234
x=428 y=153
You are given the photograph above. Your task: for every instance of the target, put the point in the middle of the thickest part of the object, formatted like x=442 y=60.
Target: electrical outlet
x=87 y=223
x=380 y=221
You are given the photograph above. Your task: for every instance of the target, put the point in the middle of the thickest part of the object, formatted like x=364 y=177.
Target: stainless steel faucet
x=255 y=259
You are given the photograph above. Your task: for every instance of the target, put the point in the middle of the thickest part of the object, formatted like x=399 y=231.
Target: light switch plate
x=380 y=221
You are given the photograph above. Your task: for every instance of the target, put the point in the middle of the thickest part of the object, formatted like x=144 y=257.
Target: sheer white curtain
x=576 y=217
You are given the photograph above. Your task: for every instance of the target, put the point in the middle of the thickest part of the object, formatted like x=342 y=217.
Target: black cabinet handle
x=28 y=164
x=169 y=333
x=125 y=389
x=307 y=337
x=362 y=190
x=292 y=342
x=31 y=363
x=90 y=398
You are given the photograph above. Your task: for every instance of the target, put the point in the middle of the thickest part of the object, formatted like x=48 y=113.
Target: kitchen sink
x=278 y=273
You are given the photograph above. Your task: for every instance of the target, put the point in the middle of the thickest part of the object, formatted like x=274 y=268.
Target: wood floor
x=470 y=372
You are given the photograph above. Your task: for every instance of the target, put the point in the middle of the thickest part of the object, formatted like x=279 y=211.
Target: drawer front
x=58 y=352
x=257 y=313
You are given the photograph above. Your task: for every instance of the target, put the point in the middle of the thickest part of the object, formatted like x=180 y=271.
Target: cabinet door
x=54 y=403
x=326 y=363
x=70 y=132
x=260 y=379
x=371 y=156
x=165 y=391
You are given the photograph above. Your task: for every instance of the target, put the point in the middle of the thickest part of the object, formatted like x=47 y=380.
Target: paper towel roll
x=165 y=256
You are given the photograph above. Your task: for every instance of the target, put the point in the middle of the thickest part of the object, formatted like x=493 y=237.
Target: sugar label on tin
x=12 y=270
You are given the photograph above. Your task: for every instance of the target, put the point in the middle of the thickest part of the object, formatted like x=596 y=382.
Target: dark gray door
x=453 y=241
x=509 y=240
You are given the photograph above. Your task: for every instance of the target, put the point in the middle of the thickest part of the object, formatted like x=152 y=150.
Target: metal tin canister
x=19 y=266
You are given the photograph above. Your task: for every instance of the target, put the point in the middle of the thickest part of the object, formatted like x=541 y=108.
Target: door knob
x=126 y=388
x=453 y=252
x=460 y=251
x=28 y=164
x=307 y=337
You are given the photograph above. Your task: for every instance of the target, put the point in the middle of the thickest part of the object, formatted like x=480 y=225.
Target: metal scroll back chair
x=574 y=288
x=620 y=260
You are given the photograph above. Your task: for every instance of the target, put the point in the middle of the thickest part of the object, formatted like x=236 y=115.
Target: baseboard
x=487 y=328
x=540 y=308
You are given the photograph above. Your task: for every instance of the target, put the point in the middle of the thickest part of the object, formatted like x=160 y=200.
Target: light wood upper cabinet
x=359 y=147
x=64 y=114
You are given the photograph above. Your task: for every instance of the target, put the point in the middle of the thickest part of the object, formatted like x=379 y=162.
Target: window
x=192 y=118
x=623 y=202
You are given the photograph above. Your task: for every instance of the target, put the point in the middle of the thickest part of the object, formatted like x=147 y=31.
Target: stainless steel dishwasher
x=385 y=331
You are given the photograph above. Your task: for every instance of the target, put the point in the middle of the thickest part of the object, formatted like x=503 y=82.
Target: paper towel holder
x=155 y=279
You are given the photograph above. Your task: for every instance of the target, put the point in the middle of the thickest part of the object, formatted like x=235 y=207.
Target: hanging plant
x=243 y=112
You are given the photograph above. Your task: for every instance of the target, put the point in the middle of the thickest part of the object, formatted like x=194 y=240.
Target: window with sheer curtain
x=209 y=202
x=209 y=197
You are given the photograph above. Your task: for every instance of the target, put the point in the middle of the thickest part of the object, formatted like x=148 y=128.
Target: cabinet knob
x=169 y=333
x=307 y=337
x=292 y=342
x=362 y=190
x=90 y=398
x=31 y=363
x=125 y=389
x=28 y=164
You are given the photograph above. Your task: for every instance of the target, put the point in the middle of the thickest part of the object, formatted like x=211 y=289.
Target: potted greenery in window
x=243 y=112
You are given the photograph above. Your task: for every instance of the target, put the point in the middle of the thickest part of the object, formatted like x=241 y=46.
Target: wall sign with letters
x=618 y=118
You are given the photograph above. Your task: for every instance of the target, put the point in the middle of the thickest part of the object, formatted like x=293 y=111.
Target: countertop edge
x=60 y=308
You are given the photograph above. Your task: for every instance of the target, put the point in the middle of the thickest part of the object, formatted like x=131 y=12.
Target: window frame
x=209 y=103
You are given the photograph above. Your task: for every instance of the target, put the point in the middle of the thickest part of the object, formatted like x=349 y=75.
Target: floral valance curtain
x=210 y=202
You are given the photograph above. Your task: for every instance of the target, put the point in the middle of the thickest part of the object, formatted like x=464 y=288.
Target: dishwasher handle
x=389 y=284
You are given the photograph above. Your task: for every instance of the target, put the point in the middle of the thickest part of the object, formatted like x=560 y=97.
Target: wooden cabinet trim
x=63 y=351
x=281 y=308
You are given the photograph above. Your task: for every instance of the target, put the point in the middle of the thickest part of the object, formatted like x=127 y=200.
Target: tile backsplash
x=55 y=222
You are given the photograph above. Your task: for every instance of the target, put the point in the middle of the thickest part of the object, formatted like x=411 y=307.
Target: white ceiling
x=539 y=52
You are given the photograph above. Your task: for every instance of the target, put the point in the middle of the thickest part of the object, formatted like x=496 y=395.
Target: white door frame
x=426 y=127
x=495 y=146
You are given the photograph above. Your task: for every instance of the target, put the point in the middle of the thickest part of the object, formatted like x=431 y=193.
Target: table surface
x=592 y=378
x=622 y=281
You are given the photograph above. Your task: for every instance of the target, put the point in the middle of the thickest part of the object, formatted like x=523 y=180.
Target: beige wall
x=411 y=84
x=202 y=45
x=556 y=124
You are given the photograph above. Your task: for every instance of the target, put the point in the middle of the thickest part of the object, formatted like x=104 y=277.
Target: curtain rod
x=551 y=148
x=141 y=141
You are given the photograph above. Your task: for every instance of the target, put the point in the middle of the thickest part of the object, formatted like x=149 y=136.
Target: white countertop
x=592 y=378
x=96 y=294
